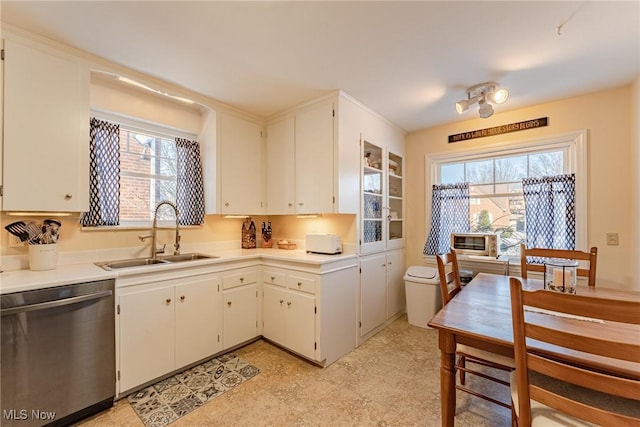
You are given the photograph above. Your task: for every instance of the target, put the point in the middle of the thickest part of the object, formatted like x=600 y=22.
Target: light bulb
x=462 y=106
x=499 y=96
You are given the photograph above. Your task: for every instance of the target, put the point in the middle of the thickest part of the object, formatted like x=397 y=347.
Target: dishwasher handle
x=56 y=303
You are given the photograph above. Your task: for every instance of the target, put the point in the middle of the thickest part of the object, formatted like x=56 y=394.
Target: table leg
x=447 y=344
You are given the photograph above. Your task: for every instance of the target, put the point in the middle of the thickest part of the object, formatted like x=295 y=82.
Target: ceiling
x=409 y=61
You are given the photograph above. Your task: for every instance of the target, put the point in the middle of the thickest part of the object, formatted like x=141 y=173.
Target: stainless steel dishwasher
x=58 y=354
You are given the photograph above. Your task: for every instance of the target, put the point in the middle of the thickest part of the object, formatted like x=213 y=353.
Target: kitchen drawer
x=234 y=278
x=302 y=283
x=274 y=277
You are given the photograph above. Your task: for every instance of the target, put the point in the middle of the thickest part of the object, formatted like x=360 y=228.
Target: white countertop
x=25 y=280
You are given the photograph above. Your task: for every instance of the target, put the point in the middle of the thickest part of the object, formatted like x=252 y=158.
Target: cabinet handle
x=389 y=263
x=290 y=204
x=182 y=298
x=301 y=204
x=68 y=196
x=273 y=278
x=281 y=301
x=168 y=301
x=241 y=279
x=227 y=204
x=299 y=284
x=229 y=303
x=289 y=304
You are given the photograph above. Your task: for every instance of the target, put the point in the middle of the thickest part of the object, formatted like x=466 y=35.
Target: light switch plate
x=612 y=239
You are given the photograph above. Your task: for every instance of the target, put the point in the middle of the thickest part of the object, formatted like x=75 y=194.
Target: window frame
x=573 y=143
x=136 y=124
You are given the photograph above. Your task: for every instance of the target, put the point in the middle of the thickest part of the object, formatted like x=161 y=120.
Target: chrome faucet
x=154 y=232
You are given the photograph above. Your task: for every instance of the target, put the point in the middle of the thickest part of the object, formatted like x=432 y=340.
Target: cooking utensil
x=52 y=221
x=45 y=236
x=53 y=229
x=18 y=229
x=35 y=232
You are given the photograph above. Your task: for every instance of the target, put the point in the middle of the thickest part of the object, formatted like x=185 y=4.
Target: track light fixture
x=483 y=94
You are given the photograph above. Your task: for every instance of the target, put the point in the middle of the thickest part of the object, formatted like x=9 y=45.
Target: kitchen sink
x=142 y=262
x=186 y=257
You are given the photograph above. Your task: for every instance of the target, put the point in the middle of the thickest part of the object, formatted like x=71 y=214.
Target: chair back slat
x=449 y=273
x=591 y=257
x=581 y=343
x=584 y=377
x=531 y=327
x=580 y=305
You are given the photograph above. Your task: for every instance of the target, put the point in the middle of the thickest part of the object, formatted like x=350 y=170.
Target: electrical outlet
x=612 y=239
x=14 y=242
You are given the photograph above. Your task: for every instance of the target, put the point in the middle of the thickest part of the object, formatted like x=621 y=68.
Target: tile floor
x=390 y=380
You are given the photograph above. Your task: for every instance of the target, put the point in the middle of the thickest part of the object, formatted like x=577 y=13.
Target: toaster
x=323 y=243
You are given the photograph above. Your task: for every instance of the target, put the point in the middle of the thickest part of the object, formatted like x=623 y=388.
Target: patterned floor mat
x=167 y=400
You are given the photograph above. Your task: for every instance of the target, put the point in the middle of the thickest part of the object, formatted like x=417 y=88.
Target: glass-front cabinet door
x=395 y=197
x=373 y=227
x=382 y=203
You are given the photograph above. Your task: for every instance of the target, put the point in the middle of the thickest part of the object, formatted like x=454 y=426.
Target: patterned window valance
x=104 y=175
x=190 y=185
x=449 y=214
x=550 y=211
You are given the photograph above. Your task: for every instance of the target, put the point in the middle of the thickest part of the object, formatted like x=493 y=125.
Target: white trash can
x=422 y=288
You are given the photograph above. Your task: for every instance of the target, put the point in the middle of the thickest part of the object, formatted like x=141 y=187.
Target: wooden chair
x=591 y=256
x=449 y=274
x=550 y=392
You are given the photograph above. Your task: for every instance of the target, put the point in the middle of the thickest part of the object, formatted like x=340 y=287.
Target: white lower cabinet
x=197 y=308
x=373 y=292
x=240 y=306
x=289 y=312
x=311 y=314
x=396 y=298
x=170 y=320
x=166 y=325
x=382 y=294
x=301 y=322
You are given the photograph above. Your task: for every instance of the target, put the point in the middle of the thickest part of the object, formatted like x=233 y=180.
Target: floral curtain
x=550 y=211
x=190 y=185
x=449 y=214
x=104 y=174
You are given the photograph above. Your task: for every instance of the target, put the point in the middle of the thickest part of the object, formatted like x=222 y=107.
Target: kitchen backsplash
x=78 y=245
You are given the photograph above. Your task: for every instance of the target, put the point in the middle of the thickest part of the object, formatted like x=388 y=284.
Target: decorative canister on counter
x=560 y=275
x=43 y=256
x=248 y=234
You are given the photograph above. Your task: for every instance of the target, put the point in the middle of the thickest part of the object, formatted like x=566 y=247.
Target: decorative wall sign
x=499 y=130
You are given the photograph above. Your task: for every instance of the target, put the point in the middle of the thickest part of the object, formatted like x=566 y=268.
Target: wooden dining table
x=480 y=316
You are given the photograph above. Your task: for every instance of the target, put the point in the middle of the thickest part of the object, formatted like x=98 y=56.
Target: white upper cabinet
x=313 y=154
x=240 y=181
x=300 y=161
x=46 y=129
x=314 y=159
x=281 y=167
